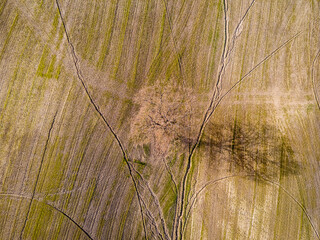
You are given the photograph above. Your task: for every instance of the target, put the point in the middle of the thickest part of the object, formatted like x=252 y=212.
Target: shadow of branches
x=263 y=151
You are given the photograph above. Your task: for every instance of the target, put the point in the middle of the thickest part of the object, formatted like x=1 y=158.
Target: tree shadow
x=261 y=151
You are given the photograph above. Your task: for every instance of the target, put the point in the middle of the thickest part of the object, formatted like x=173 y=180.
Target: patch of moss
x=129 y=201
x=146 y=149
x=2 y=5
x=132 y=83
x=55 y=23
x=108 y=35
x=42 y=67
x=49 y=73
x=6 y=42
x=121 y=40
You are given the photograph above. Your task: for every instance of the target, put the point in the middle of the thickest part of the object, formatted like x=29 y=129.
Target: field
x=160 y=119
